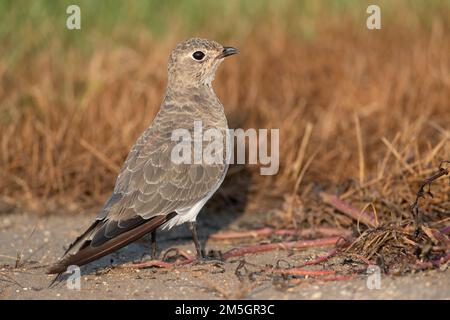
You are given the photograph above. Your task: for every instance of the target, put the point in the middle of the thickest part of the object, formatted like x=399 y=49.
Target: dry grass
x=377 y=104
x=363 y=114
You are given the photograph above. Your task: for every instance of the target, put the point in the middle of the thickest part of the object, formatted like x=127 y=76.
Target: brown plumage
x=151 y=190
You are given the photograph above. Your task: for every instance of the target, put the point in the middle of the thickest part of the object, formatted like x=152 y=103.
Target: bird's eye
x=198 y=55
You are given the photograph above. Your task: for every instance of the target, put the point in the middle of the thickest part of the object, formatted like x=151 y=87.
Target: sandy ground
x=105 y=280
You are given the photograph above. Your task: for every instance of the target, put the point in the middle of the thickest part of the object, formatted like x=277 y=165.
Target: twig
x=20 y=255
x=100 y=156
x=10 y=279
x=320 y=259
x=8 y=257
x=280 y=246
x=360 y=257
x=435 y=235
x=326 y=278
x=421 y=193
x=397 y=155
x=445 y=230
x=360 y=150
x=300 y=272
x=362 y=216
x=264 y=232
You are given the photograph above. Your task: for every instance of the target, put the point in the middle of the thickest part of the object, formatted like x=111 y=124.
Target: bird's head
x=193 y=63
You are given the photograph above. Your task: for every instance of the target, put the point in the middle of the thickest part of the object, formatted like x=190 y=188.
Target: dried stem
x=300 y=272
x=421 y=193
x=362 y=216
x=320 y=259
x=237 y=252
x=265 y=232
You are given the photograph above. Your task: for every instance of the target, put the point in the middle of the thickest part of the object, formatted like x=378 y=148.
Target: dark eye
x=198 y=55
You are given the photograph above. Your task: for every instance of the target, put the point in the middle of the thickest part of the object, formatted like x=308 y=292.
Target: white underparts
x=185 y=215
x=190 y=214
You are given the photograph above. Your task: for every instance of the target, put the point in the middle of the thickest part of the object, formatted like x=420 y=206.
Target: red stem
x=263 y=232
x=364 y=217
x=320 y=259
x=237 y=252
x=445 y=230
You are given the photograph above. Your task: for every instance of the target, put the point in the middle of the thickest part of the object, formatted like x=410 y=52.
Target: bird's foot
x=213 y=257
x=154 y=256
x=145 y=258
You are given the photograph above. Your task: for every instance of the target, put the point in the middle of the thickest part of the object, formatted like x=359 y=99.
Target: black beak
x=227 y=51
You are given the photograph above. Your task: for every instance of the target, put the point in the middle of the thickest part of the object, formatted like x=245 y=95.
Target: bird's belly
x=190 y=214
x=185 y=215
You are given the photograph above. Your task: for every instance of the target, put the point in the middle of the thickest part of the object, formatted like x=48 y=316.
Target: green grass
x=27 y=26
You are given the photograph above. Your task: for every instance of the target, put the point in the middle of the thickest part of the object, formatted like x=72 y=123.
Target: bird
x=152 y=191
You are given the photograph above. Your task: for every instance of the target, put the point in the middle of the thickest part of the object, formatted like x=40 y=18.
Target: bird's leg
x=193 y=227
x=154 y=247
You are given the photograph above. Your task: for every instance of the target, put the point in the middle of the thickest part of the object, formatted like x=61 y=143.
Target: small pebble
x=316 y=295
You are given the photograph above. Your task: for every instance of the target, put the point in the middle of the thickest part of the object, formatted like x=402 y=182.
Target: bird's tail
x=90 y=253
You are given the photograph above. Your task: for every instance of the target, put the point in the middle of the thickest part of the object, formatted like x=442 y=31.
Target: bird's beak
x=227 y=51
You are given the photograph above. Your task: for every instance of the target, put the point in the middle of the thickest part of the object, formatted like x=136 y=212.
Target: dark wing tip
x=58 y=267
x=90 y=253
